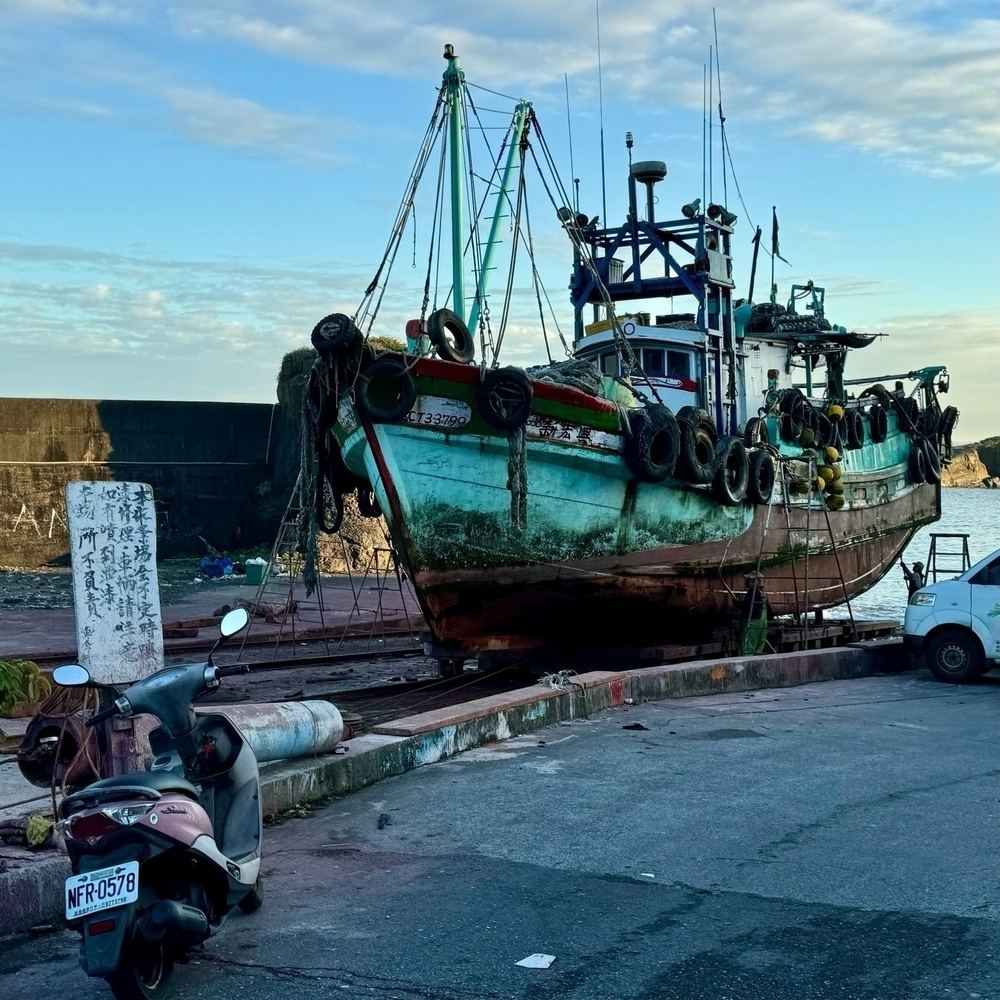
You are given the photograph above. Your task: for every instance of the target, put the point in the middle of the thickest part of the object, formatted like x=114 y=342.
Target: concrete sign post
x=119 y=632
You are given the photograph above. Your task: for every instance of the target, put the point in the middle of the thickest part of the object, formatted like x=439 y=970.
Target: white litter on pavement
x=537 y=961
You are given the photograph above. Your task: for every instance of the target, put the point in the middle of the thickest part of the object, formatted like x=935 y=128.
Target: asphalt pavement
x=836 y=841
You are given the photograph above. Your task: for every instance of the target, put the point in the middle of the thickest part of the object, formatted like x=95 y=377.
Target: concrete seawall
x=210 y=466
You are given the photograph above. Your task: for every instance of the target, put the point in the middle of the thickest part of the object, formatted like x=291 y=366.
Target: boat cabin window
x=609 y=364
x=678 y=364
x=652 y=361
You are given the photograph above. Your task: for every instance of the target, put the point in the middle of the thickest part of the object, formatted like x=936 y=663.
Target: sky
x=186 y=188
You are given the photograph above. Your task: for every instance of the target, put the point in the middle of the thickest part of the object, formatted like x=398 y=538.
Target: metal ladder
x=934 y=553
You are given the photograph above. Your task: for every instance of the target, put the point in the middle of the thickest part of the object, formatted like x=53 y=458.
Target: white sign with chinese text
x=112 y=531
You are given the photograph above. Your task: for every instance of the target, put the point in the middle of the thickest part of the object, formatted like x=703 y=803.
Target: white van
x=956 y=623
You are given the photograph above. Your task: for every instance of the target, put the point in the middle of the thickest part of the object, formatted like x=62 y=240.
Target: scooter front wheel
x=254 y=899
x=144 y=971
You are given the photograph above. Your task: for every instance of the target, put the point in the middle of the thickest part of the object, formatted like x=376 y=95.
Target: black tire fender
x=791 y=427
x=855 y=427
x=505 y=396
x=368 y=505
x=450 y=336
x=334 y=332
x=878 y=423
x=917 y=462
x=385 y=390
x=697 y=458
x=793 y=402
x=319 y=401
x=697 y=417
x=755 y=433
x=732 y=471
x=932 y=462
x=760 y=478
x=949 y=417
x=654 y=444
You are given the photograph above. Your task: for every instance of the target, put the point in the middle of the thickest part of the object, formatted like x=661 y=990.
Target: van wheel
x=955 y=657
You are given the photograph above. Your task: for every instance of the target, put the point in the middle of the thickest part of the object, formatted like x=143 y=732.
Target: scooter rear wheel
x=144 y=971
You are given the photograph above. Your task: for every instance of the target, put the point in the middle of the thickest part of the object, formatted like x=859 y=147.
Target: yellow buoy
x=826 y=472
x=831 y=453
x=800 y=486
x=835 y=412
x=807 y=438
x=835 y=487
x=819 y=484
x=834 y=502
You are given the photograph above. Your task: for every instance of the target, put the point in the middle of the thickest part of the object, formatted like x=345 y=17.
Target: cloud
x=914 y=83
x=217 y=119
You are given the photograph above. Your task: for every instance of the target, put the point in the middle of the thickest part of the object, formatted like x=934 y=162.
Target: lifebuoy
x=732 y=471
x=932 y=461
x=760 y=478
x=855 y=427
x=755 y=433
x=697 y=454
x=918 y=463
x=385 y=390
x=334 y=332
x=505 y=397
x=652 y=448
x=878 y=423
x=450 y=336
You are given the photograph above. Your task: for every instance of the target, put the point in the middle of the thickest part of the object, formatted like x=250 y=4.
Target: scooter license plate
x=91 y=892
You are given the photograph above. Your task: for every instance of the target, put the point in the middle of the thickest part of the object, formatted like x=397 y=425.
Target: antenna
x=704 y=137
x=600 y=101
x=722 y=117
x=569 y=129
x=711 y=196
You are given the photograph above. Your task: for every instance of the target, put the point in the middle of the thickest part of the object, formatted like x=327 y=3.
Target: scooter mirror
x=71 y=675
x=234 y=621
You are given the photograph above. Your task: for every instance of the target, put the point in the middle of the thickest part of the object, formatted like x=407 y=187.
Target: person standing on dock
x=754 y=610
x=914 y=577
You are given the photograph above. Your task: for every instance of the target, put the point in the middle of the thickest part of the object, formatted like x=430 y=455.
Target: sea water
x=971 y=511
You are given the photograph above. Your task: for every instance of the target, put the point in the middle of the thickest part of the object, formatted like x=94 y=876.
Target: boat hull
x=544 y=538
x=671 y=594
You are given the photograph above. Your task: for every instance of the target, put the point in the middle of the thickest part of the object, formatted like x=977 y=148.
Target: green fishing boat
x=618 y=497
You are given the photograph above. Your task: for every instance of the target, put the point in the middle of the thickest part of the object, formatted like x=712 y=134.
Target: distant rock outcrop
x=975 y=465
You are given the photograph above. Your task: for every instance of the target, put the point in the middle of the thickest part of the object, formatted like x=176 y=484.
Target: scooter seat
x=105 y=788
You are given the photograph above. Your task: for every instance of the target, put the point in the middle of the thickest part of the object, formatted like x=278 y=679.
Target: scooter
x=160 y=857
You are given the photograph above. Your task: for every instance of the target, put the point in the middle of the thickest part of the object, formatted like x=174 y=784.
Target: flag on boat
x=774 y=234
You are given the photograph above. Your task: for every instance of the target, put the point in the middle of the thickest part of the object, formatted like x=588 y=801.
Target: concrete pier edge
x=31 y=895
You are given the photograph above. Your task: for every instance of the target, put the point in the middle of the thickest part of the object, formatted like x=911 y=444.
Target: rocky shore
x=975 y=464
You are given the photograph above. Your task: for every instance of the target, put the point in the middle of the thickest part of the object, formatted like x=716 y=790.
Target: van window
x=989 y=575
x=652 y=361
x=678 y=364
